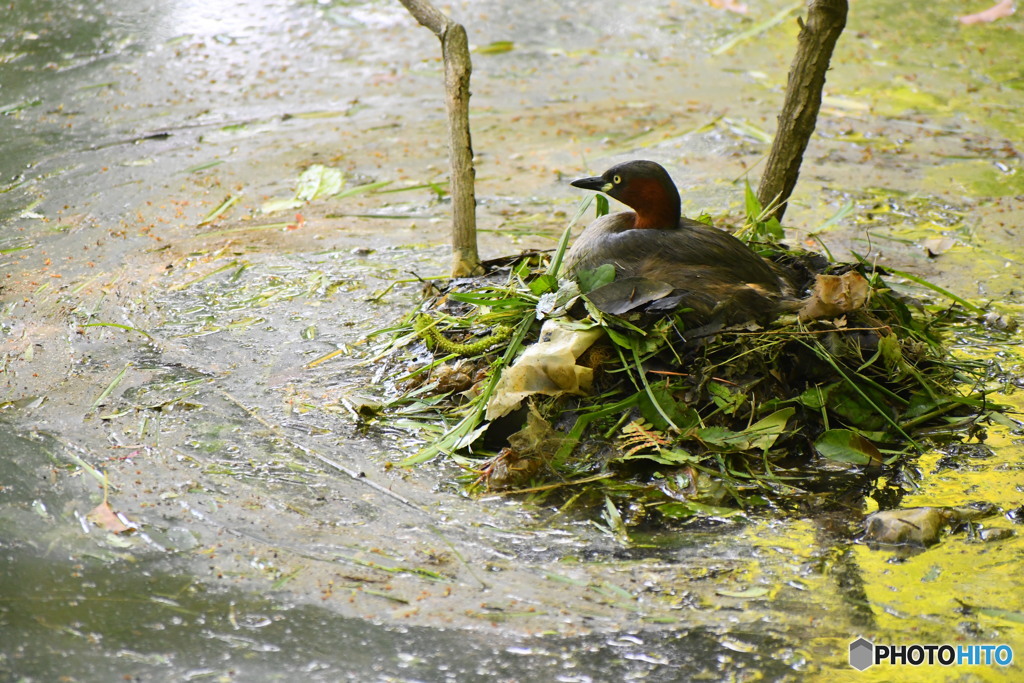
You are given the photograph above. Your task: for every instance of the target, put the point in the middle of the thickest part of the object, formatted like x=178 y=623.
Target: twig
x=825 y=22
x=357 y=476
x=795 y=333
x=457 y=70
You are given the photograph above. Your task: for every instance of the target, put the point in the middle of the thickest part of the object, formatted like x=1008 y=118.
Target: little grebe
x=714 y=274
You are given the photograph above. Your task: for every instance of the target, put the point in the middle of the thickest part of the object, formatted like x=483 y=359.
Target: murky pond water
x=167 y=341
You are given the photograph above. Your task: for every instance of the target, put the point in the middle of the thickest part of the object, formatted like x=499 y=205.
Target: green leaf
x=892 y=353
x=816 y=397
x=764 y=432
x=859 y=406
x=623 y=340
x=723 y=438
x=920 y=404
x=522 y=270
x=753 y=206
x=761 y=435
x=868 y=396
x=1000 y=419
x=543 y=284
x=725 y=398
x=315 y=182
x=682 y=415
x=672 y=456
x=774 y=229
x=844 y=445
x=602 y=205
x=598 y=277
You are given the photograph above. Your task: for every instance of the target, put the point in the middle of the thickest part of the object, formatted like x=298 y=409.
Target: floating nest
x=525 y=383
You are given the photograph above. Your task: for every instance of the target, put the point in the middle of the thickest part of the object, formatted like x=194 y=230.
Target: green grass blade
x=120 y=327
x=228 y=202
x=563 y=243
x=758 y=29
x=110 y=387
x=935 y=288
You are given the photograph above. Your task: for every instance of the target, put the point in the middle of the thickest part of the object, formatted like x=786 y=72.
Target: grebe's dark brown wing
x=667 y=255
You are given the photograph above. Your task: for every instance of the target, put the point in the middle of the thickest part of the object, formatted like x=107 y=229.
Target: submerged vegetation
x=682 y=421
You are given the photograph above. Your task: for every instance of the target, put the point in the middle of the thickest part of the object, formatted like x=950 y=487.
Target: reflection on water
x=96 y=621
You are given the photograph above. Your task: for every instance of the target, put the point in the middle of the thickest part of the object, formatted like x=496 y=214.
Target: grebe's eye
x=617 y=179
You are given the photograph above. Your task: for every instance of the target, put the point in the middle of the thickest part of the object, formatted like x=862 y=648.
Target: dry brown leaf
x=104 y=517
x=834 y=295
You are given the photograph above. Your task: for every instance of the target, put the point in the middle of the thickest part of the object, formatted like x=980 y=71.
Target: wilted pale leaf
x=318 y=181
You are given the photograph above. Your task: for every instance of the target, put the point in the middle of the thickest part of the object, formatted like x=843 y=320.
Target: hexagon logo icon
x=862 y=654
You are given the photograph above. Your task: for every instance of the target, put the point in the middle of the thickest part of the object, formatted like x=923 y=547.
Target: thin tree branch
x=457 y=70
x=825 y=22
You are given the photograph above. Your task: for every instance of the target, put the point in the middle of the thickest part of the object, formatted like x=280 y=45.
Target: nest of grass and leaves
x=680 y=422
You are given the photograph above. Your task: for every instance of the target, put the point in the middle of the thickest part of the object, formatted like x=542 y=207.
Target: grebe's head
x=643 y=186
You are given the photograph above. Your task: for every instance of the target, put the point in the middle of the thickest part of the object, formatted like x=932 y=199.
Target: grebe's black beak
x=597 y=183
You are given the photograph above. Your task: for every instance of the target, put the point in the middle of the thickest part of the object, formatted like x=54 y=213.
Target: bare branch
x=457 y=70
x=825 y=22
